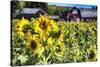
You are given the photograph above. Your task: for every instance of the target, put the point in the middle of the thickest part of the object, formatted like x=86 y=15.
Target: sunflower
x=92 y=53
x=22 y=22
x=34 y=45
x=60 y=49
x=50 y=43
x=44 y=26
x=20 y=26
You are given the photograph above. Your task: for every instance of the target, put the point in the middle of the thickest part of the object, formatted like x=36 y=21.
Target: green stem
x=50 y=54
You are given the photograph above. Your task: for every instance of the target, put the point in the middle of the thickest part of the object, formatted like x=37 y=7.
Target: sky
x=72 y=5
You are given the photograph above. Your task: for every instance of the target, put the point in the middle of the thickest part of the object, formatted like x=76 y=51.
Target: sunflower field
x=45 y=41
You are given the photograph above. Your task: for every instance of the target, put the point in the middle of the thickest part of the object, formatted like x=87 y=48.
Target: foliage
x=56 y=10
x=15 y=6
x=41 y=5
x=45 y=41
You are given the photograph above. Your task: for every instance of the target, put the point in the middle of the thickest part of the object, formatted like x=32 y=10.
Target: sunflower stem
x=50 y=54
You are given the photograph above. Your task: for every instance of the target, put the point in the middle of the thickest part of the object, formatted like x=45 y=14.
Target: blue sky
x=72 y=5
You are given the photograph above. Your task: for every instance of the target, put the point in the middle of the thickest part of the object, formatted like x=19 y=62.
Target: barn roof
x=88 y=13
x=31 y=10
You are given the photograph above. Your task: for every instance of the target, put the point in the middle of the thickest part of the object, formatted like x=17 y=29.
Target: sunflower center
x=24 y=31
x=43 y=25
x=33 y=45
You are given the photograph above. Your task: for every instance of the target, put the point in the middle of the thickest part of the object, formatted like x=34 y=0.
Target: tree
x=15 y=6
x=41 y=5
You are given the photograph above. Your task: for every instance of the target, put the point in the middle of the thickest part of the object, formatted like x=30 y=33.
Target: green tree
x=41 y=5
x=15 y=6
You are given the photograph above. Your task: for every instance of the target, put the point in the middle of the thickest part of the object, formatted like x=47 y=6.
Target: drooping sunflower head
x=92 y=55
x=60 y=49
